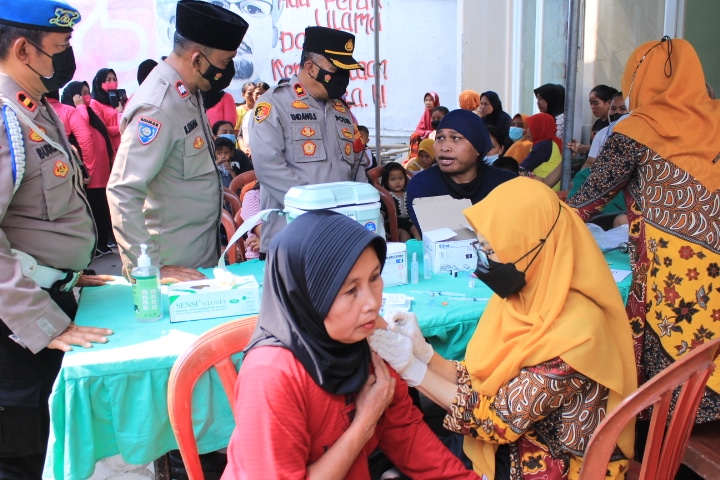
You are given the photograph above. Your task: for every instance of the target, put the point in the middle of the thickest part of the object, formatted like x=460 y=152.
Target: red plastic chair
x=374 y=175
x=237 y=183
x=666 y=442
x=389 y=203
x=231 y=200
x=235 y=254
x=213 y=349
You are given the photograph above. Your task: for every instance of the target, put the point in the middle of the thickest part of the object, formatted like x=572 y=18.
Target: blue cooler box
x=359 y=201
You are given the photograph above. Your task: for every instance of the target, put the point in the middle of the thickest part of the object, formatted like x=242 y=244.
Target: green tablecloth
x=112 y=398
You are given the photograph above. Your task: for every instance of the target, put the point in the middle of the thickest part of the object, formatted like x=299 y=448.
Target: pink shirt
x=250 y=206
x=111 y=119
x=224 y=110
x=286 y=422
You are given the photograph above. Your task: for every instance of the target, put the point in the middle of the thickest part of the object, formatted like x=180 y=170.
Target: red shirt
x=287 y=422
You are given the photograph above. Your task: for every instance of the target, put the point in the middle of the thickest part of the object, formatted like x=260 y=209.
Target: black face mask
x=63 y=69
x=219 y=78
x=335 y=83
x=615 y=116
x=502 y=278
x=435 y=124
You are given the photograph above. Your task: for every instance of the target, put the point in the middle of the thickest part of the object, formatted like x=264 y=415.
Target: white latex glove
x=406 y=323
x=396 y=349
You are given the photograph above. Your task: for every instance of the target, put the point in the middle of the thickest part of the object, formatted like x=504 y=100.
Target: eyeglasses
x=482 y=254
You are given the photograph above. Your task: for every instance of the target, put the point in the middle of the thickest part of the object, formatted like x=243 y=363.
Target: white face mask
x=490 y=159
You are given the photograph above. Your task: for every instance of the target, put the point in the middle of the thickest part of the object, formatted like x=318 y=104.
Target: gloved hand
x=406 y=324
x=396 y=349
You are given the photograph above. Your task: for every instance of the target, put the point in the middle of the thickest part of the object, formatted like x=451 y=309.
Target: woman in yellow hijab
x=551 y=355
x=665 y=156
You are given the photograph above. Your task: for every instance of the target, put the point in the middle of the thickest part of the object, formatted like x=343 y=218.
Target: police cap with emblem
x=335 y=45
x=45 y=15
x=209 y=25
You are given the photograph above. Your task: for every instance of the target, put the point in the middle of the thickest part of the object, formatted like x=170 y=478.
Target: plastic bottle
x=414 y=270
x=427 y=268
x=145 y=279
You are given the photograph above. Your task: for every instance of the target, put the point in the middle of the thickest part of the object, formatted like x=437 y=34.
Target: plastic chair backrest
x=666 y=442
x=233 y=201
x=237 y=252
x=374 y=175
x=214 y=348
x=389 y=203
x=240 y=180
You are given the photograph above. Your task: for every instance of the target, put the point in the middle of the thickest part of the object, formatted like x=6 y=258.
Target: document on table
x=619 y=275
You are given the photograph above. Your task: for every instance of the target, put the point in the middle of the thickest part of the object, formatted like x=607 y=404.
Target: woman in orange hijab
x=552 y=352
x=665 y=157
x=521 y=147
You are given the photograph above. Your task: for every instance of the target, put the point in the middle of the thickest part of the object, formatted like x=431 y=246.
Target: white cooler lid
x=331 y=195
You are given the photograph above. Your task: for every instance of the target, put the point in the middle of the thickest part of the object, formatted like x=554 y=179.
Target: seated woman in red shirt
x=311 y=400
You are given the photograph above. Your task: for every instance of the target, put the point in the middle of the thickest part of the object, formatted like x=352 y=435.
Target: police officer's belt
x=47 y=277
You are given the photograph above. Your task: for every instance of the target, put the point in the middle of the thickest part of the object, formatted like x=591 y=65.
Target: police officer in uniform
x=47 y=235
x=164 y=189
x=302 y=132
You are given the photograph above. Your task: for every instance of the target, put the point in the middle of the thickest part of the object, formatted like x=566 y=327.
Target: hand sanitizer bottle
x=427 y=267
x=414 y=267
x=145 y=280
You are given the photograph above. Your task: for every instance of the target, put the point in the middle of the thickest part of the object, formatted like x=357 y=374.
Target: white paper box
x=395 y=271
x=447 y=238
x=203 y=299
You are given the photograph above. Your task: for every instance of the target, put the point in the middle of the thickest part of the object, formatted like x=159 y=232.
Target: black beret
x=209 y=25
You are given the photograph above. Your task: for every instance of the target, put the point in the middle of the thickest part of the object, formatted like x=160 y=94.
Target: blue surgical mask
x=490 y=159
x=229 y=136
x=516 y=133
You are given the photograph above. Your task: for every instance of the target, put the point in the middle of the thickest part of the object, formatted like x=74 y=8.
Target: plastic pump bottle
x=427 y=267
x=145 y=279
x=414 y=267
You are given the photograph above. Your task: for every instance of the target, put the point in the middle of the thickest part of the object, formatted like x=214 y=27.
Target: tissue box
x=210 y=298
x=447 y=237
x=395 y=271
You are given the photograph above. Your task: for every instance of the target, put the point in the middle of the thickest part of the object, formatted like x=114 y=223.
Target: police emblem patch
x=148 y=129
x=347 y=133
x=64 y=18
x=349 y=46
x=309 y=148
x=199 y=142
x=262 y=111
x=338 y=105
x=181 y=89
x=300 y=104
x=307 y=131
x=34 y=136
x=61 y=170
x=348 y=149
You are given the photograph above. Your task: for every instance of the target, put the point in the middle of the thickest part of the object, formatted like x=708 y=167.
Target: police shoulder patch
x=262 y=111
x=148 y=129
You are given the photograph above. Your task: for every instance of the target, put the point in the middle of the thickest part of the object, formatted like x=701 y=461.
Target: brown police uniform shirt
x=164 y=189
x=299 y=140
x=48 y=217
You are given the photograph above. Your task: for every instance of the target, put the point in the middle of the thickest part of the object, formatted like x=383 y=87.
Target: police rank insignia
x=262 y=111
x=339 y=106
x=61 y=170
x=348 y=149
x=199 y=142
x=181 y=89
x=309 y=148
x=148 y=129
x=299 y=90
x=34 y=136
x=26 y=101
x=307 y=131
x=347 y=133
x=300 y=104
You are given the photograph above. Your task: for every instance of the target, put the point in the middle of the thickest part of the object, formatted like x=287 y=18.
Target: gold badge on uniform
x=338 y=105
x=299 y=90
x=34 y=136
x=300 y=104
x=61 y=170
x=262 y=111
x=348 y=149
x=347 y=133
x=349 y=46
x=199 y=142
x=307 y=131
x=309 y=148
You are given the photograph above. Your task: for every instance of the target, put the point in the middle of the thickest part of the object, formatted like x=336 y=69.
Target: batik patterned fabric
x=674 y=302
x=546 y=414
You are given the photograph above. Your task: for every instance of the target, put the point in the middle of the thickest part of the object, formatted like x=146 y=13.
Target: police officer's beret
x=209 y=25
x=335 y=45
x=45 y=15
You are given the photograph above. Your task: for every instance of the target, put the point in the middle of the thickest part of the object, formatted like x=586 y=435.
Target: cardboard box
x=210 y=298
x=357 y=200
x=447 y=237
x=395 y=271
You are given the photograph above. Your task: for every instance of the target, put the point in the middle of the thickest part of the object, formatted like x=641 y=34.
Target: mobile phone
x=117 y=97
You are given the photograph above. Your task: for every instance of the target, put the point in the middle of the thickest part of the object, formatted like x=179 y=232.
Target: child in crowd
x=425 y=158
x=250 y=207
x=394 y=180
x=223 y=153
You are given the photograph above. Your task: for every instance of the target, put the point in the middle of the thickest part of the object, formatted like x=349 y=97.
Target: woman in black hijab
x=310 y=398
x=551 y=99
x=492 y=112
x=104 y=82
